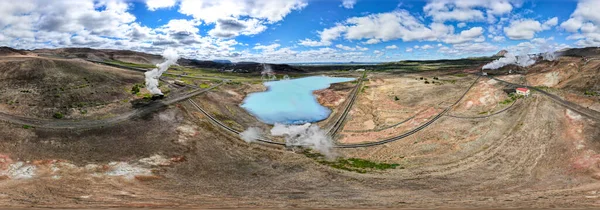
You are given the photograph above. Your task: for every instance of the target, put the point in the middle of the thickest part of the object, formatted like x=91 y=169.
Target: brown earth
x=535 y=155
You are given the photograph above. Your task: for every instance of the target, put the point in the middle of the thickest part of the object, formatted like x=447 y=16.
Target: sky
x=294 y=31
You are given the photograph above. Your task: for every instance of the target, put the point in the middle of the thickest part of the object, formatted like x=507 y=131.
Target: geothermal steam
x=153 y=75
x=251 y=134
x=267 y=72
x=305 y=135
x=520 y=60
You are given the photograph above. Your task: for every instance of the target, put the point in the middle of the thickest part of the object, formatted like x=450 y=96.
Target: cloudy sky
x=287 y=31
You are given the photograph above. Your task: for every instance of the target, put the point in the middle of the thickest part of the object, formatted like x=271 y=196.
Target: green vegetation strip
x=351 y=164
x=512 y=97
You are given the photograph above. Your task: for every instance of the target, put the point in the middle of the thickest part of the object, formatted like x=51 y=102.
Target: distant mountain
x=222 y=61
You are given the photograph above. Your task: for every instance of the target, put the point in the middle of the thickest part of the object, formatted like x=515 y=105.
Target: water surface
x=291 y=101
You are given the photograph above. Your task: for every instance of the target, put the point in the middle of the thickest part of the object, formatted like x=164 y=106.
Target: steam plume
x=267 y=72
x=153 y=75
x=520 y=60
x=305 y=135
x=251 y=134
x=550 y=56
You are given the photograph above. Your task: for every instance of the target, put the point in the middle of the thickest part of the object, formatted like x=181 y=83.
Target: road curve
x=567 y=104
x=411 y=132
x=485 y=116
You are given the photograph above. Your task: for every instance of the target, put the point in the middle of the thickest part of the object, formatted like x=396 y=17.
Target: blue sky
x=286 y=31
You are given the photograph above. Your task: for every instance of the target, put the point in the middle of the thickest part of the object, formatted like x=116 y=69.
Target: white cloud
x=391 y=47
x=523 y=29
x=583 y=23
x=426 y=47
x=400 y=24
x=498 y=38
x=343 y=47
x=348 y=4
x=408 y=49
x=467 y=10
x=461 y=25
x=269 y=10
x=159 y=4
x=359 y=48
x=326 y=36
x=228 y=28
x=550 y=23
x=270 y=47
x=472 y=34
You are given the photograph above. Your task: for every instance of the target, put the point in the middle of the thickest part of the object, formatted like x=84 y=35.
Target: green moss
x=590 y=93
x=58 y=115
x=204 y=85
x=27 y=126
x=351 y=164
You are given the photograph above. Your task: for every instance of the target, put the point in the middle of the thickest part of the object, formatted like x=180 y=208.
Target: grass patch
x=590 y=93
x=27 y=126
x=136 y=88
x=204 y=85
x=58 y=115
x=351 y=164
x=511 y=97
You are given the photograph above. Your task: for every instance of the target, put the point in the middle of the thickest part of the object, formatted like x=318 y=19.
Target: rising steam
x=523 y=60
x=251 y=134
x=153 y=75
x=306 y=135
x=267 y=72
x=520 y=60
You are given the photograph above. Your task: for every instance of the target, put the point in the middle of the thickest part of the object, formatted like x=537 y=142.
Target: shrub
x=136 y=88
x=396 y=98
x=27 y=126
x=58 y=115
x=426 y=82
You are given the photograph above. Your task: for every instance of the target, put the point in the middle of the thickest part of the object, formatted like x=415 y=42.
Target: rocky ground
x=536 y=154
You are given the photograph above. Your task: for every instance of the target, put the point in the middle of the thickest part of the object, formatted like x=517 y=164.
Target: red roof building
x=523 y=91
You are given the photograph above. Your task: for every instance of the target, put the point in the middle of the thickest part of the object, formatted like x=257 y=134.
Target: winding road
x=567 y=104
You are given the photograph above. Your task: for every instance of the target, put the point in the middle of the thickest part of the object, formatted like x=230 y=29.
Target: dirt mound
x=104 y=55
x=42 y=87
x=7 y=51
x=582 y=52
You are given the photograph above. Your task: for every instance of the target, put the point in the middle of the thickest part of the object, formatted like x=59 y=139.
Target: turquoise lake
x=291 y=101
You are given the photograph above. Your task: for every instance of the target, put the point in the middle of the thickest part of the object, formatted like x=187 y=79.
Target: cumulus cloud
x=211 y=11
x=467 y=10
x=527 y=28
x=391 y=47
x=348 y=4
x=461 y=25
x=583 y=23
x=228 y=28
x=159 y=4
x=472 y=34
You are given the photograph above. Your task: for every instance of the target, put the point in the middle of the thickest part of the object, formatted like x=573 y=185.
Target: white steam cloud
x=251 y=134
x=153 y=75
x=306 y=135
x=550 y=56
x=267 y=72
x=523 y=60
x=508 y=59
